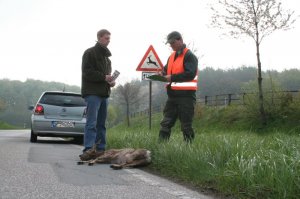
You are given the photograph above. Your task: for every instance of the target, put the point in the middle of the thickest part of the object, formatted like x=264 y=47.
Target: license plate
x=61 y=124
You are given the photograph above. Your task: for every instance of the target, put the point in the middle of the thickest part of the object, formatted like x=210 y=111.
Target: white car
x=58 y=114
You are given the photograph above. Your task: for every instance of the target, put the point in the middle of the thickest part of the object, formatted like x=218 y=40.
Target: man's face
x=176 y=44
x=104 y=40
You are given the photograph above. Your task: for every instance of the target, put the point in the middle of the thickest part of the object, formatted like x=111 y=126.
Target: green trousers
x=183 y=109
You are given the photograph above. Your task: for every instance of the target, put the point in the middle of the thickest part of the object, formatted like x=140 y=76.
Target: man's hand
x=108 y=78
x=112 y=84
x=168 y=77
x=159 y=72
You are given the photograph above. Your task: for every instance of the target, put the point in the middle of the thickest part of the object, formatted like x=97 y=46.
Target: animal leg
x=116 y=166
x=81 y=162
x=92 y=162
x=137 y=163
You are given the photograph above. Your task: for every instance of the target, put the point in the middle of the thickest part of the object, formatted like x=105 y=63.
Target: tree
x=254 y=18
x=15 y=96
x=111 y=116
x=128 y=95
x=2 y=104
x=289 y=79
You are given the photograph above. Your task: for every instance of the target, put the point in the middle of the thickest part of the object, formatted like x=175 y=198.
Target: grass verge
x=231 y=161
x=4 y=125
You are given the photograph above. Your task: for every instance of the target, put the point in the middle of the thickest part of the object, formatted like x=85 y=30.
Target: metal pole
x=150 y=103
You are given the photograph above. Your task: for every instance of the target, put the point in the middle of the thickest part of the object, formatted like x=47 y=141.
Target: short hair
x=102 y=32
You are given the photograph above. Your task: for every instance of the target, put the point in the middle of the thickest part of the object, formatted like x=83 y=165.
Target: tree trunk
x=260 y=90
x=127 y=114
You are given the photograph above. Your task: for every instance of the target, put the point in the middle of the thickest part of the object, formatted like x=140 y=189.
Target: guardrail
x=241 y=98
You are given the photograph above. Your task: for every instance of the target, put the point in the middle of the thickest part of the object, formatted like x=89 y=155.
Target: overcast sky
x=45 y=39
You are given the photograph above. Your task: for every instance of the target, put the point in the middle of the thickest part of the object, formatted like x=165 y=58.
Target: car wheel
x=33 y=137
x=78 y=140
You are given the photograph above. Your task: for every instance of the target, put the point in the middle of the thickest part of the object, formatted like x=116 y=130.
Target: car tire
x=33 y=137
x=78 y=140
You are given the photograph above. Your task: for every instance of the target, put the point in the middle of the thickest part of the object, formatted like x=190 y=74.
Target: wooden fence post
x=229 y=99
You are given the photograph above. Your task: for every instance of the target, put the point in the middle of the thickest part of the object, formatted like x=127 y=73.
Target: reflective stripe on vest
x=190 y=85
x=176 y=67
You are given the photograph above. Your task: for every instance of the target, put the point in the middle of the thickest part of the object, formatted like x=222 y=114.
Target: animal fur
x=122 y=158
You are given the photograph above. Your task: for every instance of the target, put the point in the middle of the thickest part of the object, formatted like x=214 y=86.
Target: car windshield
x=63 y=99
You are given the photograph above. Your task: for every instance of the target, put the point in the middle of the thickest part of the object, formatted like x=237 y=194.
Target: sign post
x=150 y=64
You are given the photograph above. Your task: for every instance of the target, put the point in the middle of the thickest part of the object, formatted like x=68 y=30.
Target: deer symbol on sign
x=151 y=62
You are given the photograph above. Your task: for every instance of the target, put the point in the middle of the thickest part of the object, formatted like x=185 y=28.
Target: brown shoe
x=87 y=155
x=90 y=154
x=99 y=153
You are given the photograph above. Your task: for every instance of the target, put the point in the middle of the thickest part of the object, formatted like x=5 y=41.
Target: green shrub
x=4 y=125
x=229 y=155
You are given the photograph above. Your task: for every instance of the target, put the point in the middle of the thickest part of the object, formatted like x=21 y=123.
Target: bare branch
x=254 y=18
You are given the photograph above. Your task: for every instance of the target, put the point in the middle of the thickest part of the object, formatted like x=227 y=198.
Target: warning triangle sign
x=150 y=61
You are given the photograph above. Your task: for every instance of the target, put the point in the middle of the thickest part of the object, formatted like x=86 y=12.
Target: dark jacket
x=95 y=65
x=190 y=63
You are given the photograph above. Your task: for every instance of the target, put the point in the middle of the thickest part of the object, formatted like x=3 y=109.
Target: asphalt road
x=48 y=169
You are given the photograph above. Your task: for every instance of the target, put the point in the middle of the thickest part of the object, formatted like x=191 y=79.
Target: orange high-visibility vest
x=176 y=67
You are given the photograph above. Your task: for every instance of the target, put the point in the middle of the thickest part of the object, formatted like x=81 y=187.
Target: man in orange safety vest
x=181 y=72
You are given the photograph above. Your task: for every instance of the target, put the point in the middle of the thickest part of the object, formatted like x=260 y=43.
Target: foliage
x=112 y=114
x=133 y=97
x=254 y=18
x=15 y=96
x=2 y=105
x=127 y=95
x=289 y=79
x=218 y=81
x=230 y=159
x=4 y=125
x=215 y=82
x=280 y=105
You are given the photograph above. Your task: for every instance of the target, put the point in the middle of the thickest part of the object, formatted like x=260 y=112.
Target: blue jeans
x=95 y=130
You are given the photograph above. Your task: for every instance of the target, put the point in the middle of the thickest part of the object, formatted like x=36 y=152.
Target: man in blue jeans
x=95 y=89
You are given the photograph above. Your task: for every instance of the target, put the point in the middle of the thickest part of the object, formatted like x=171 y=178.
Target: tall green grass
x=236 y=162
x=4 y=125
